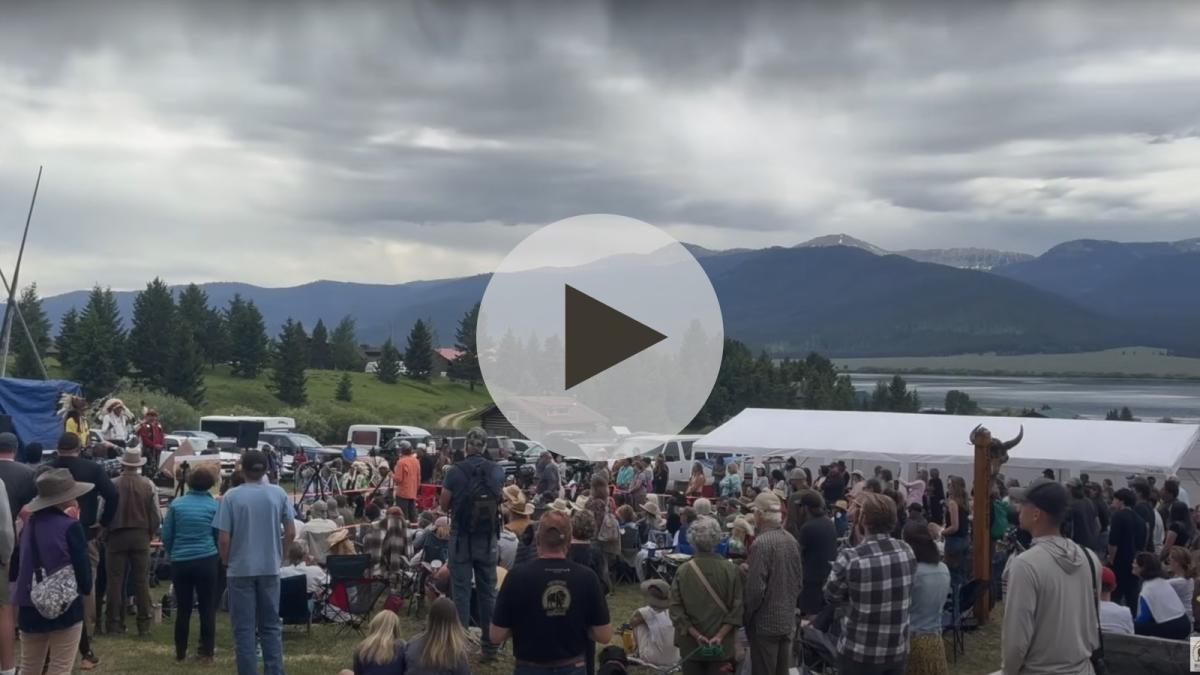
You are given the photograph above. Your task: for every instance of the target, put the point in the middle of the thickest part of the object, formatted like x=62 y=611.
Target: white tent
x=1080 y=445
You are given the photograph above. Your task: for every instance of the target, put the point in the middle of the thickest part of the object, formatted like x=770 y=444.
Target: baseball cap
x=797 y=474
x=1108 y=578
x=8 y=441
x=254 y=460
x=767 y=502
x=1045 y=494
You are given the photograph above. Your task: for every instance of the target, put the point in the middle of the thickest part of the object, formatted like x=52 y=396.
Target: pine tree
x=28 y=361
x=389 y=363
x=68 y=337
x=247 y=338
x=466 y=365
x=418 y=355
x=98 y=347
x=289 y=361
x=185 y=366
x=150 y=339
x=206 y=323
x=343 y=346
x=320 y=354
x=345 y=390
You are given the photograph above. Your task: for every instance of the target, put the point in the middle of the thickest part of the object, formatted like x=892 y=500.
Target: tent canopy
x=1082 y=445
x=33 y=407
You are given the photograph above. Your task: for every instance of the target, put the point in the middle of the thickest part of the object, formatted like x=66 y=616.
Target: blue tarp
x=33 y=407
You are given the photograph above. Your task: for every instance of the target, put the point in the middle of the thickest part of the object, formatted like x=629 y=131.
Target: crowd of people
x=734 y=565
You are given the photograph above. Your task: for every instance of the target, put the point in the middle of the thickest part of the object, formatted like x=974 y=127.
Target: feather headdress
x=68 y=402
x=114 y=402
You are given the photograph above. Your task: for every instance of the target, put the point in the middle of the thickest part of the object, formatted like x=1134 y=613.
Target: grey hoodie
x=1050 y=624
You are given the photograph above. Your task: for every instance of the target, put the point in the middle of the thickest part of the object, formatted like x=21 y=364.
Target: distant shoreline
x=1129 y=363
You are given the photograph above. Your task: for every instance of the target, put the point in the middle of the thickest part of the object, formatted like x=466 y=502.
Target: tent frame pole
x=12 y=290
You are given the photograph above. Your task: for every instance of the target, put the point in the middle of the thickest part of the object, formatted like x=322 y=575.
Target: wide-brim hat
x=561 y=505
x=132 y=457
x=741 y=522
x=657 y=593
x=521 y=509
x=337 y=537
x=651 y=508
x=57 y=486
x=580 y=503
x=513 y=494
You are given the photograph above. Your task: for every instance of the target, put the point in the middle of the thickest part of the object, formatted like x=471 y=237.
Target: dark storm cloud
x=439 y=131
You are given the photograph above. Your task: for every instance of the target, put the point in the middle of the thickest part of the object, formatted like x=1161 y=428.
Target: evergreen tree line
x=172 y=339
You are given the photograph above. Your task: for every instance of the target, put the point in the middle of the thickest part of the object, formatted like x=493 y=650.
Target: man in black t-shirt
x=835 y=485
x=551 y=607
x=1081 y=520
x=1145 y=509
x=1126 y=537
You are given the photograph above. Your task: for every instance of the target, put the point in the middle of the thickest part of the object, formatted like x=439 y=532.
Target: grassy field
x=406 y=402
x=323 y=653
x=1125 y=362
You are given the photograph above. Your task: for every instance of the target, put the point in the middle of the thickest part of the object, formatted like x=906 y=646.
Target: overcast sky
x=278 y=143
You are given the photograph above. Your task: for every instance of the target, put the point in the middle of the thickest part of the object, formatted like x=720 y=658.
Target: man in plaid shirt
x=873 y=582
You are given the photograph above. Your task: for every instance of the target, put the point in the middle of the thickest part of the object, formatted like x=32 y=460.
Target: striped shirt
x=874 y=582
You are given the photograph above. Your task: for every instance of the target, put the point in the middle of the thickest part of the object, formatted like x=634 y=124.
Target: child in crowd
x=652 y=628
x=437 y=543
x=442 y=649
x=382 y=652
x=342 y=506
x=1113 y=617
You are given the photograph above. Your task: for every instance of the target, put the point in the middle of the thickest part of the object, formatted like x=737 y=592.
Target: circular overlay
x=597 y=327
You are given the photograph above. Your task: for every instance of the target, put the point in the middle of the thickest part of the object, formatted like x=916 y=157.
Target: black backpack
x=479 y=511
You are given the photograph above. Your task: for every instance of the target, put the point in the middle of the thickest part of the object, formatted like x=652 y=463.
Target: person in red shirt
x=407 y=478
x=150 y=433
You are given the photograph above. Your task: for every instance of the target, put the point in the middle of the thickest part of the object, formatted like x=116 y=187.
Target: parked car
x=287 y=443
x=498 y=447
x=366 y=436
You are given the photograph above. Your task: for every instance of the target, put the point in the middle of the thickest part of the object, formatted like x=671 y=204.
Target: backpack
x=479 y=510
x=609 y=530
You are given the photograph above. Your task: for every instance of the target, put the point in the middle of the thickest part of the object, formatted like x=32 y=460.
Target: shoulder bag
x=51 y=594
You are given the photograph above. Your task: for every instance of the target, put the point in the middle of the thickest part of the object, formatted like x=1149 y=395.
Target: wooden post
x=981 y=542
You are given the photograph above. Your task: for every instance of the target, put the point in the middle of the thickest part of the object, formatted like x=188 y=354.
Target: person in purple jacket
x=52 y=540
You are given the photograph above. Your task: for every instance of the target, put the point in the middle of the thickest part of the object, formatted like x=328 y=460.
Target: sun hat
x=657 y=593
x=651 y=508
x=562 y=506
x=842 y=504
x=337 y=536
x=132 y=457
x=767 y=502
x=741 y=522
x=57 y=486
x=521 y=509
x=580 y=503
x=513 y=494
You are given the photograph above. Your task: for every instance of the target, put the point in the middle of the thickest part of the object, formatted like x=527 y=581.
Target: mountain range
x=843 y=297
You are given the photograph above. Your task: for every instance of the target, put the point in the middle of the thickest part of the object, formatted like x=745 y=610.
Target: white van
x=678 y=452
x=366 y=436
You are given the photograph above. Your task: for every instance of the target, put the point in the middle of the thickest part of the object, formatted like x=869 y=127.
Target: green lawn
x=406 y=402
x=322 y=653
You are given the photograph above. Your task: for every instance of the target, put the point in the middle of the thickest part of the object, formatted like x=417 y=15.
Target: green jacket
x=692 y=605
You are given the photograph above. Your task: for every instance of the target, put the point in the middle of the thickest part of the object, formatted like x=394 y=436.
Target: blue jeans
x=254 y=608
x=538 y=670
x=474 y=556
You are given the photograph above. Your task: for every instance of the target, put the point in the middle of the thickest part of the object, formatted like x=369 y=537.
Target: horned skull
x=997 y=449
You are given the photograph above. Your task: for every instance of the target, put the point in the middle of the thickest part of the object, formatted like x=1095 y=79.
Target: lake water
x=1149 y=399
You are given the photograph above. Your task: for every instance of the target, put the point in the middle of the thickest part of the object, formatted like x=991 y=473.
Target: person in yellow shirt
x=74 y=410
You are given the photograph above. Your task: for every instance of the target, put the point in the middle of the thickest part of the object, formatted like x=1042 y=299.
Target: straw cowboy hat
x=562 y=506
x=657 y=593
x=521 y=509
x=580 y=503
x=132 y=457
x=513 y=495
x=652 y=508
x=336 y=537
x=55 y=487
x=741 y=523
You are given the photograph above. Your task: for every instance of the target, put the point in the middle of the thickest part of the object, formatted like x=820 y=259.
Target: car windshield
x=304 y=441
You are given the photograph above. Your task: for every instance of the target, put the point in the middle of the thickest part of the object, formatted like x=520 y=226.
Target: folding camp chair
x=351 y=594
x=294 y=609
x=962 y=598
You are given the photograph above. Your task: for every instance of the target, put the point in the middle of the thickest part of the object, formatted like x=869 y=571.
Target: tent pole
x=981 y=531
x=13 y=289
x=28 y=335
